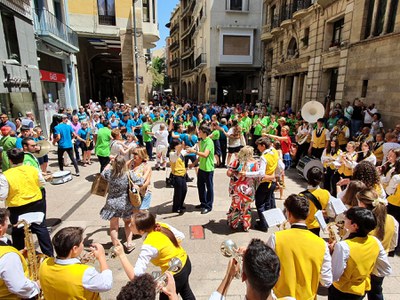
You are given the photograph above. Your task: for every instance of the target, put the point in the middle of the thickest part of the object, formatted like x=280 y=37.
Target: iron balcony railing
x=201 y=59
x=275 y=21
x=174 y=62
x=174 y=45
x=107 y=20
x=286 y=12
x=45 y=23
x=301 y=4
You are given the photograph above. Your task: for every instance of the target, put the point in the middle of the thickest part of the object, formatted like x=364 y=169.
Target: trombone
x=230 y=249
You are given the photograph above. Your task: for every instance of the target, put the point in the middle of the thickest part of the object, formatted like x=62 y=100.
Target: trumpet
x=175 y=265
x=88 y=256
x=230 y=249
x=285 y=225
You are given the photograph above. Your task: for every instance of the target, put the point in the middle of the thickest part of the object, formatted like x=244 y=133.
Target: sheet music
x=274 y=217
x=337 y=205
x=32 y=217
x=320 y=218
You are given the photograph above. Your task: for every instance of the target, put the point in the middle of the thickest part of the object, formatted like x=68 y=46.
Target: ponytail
x=168 y=233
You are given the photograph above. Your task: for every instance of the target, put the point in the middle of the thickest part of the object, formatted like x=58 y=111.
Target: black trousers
x=103 y=160
x=77 y=146
x=224 y=146
x=376 y=288
x=335 y=294
x=265 y=200
x=18 y=234
x=317 y=152
x=302 y=151
x=60 y=153
x=328 y=181
x=180 y=191
x=149 y=149
x=205 y=188
x=395 y=212
x=182 y=283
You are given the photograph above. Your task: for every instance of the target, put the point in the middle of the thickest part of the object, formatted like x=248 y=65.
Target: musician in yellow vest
x=319 y=139
x=357 y=257
x=65 y=277
x=20 y=188
x=386 y=231
x=328 y=159
x=264 y=196
x=161 y=243
x=342 y=133
x=305 y=259
x=179 y=179
x=346 y=161
x=14 y=283
x=378 y=148
x=393 y=190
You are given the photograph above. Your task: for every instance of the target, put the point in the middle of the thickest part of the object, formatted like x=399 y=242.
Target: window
x=337 y=33
x=106 y=10
x=154 y=11
x=146 y=11
x=369 y=11
x=237 y=5
x=364 y=89
x=306 y=37
x=236 y=45
x=10 y=34
x=392 y=15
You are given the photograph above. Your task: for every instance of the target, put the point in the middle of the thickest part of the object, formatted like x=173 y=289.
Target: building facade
x=57 y=45
x=221 y=55
x=326 y=51
x=110 y=51
x=20 y=89
x=174 y=49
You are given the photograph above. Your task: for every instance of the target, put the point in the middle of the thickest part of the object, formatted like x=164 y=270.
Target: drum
x=61 y=177
x=306 y=163
x=156 y=126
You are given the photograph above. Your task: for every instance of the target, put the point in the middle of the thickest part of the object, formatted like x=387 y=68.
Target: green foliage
x=158 y=70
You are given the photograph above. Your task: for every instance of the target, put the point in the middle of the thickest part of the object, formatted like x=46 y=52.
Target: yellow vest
x=301 y=254
x=394 y=199
x=334 y=156
x=323 y=197
x=272 y=158
x=178 y=167
x=319 y=142
x=4 y=292
x=64 y=281
x=356 y=277
x=346 y=171
x=379 y=153
x=166 y=249
x=24 y=186
x=341 y=137
x=389 y=233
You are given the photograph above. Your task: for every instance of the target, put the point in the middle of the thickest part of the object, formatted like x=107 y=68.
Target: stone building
x=109 y=49
x=327 y=50
x=221 y=54
x=20 y=89
x=174 y=65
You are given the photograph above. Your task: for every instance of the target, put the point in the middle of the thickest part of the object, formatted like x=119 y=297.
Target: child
x=280 y=171
x=161 y=147
x=179 y=174
x=65 y=277
x=215 y=135
x=44 y=160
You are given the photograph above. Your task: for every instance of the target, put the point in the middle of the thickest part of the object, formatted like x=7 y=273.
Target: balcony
x=201 y=60
x=174 y=29
x=275 y=29
x=188 y=8
x=150 y=34
x=174 y=63
x=266 y=33
x=187 y=52
x=173 y=80
x=54 y=32
x=325 y=3
x=286 y=16
x=107 y=20
x=174 y=46
x=300 y=9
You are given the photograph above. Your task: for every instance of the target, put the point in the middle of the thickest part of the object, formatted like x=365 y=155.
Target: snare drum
x=306 y=163
x=61 y=177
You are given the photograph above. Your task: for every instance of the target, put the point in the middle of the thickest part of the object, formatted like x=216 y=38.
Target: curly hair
x=142 y=287
x=245 y=154
x=366 y=172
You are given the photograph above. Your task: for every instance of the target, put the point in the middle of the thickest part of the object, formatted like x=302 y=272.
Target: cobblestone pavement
x=73 y=205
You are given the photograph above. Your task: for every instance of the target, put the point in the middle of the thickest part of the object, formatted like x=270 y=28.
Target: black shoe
x=199 y=206
x=260 y=228
x=189 y=179
x=205 y=211
x=183 y=207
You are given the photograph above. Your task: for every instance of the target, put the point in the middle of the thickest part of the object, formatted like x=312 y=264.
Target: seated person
x=65 y=277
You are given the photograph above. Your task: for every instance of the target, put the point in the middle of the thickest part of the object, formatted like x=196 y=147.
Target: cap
x=25 y=128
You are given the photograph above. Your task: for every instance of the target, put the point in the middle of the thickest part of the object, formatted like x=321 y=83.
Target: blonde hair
x=245 y=154
x=142 y=153
x=118 y=167
x=349 y=197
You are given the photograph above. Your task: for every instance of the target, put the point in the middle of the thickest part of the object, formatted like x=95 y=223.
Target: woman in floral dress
x=242 y=189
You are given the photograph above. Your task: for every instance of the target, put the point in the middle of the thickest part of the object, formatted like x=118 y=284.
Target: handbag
x=99 y=186
x=133 y=193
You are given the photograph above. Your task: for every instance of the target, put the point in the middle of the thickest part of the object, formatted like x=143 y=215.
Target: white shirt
x=148 y=252
x=393 y=183
x=12 y=273
x=263 y=166
x=348 y=112
x=327 y=134
x=326 y=268
x=341 y=255
x=367 y=117
x=162 y=138
x=233 y=142
x=92 y=280
x=387 y=147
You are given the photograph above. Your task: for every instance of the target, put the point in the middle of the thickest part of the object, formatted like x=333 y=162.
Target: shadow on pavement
x=219 y=227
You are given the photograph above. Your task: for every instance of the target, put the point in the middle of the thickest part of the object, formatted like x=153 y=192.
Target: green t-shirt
x=146 y=128
x=30 y=160
x=187 y=123
x=215 y=135
x=103 y=142
x=265 y=121
x=246 y=124
x=207 y=164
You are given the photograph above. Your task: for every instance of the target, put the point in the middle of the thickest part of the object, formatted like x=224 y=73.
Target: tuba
x=175 y=265
x=230 y=249
x=312 y=111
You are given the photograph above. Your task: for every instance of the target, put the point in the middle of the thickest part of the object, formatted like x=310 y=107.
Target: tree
x=157 y=71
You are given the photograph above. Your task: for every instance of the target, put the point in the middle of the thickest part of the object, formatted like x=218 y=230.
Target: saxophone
x=88 y=140
x=34 y=260
x=336 y=231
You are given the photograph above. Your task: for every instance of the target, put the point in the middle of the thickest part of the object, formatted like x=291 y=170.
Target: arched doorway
x=189 y=91
x=202 y=94
x=292 y=51
x=195 y=92
x=184 y=90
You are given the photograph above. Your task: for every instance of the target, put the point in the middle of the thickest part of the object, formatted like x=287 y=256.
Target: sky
x=165 y=7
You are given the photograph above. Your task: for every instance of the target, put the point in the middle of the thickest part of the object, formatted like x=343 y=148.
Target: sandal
x=130 y=247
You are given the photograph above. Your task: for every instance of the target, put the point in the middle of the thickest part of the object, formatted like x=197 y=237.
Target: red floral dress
x=242 y=191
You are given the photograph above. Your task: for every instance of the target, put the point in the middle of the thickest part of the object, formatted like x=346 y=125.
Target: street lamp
x=136 y=54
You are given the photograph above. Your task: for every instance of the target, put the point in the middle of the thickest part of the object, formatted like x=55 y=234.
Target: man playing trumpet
x=342 y=133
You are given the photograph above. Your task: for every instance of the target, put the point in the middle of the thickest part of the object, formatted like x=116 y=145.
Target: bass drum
x=306 y=163
x=61 y=177
x=156 y=126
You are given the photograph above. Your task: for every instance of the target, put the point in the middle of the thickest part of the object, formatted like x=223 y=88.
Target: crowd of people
x=256 y=145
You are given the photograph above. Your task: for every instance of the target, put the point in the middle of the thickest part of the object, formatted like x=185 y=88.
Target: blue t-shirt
x=189 y=141
x=82 y=116
x=18 y=143
x=225 y=128
x=65 y=131
x=129 y=125
x=83 y=133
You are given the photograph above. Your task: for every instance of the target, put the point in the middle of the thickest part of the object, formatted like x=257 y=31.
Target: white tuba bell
x=312 y=111
x=230 y=249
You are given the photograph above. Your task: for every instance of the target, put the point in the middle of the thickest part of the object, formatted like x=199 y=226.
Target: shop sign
x=52 y=76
